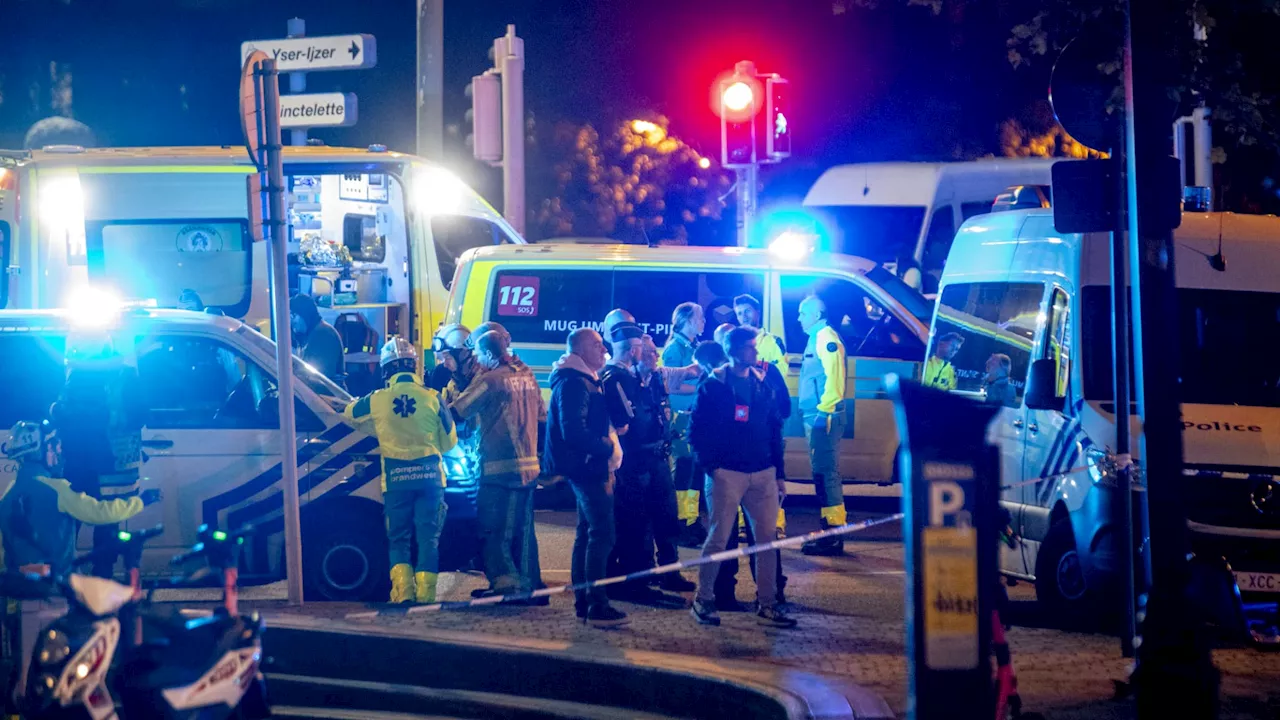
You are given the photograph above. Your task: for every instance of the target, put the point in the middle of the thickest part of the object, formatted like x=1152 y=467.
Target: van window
x=36 y=374
x=456 y=234
x=992 y=318
x=1228 y=346
x=542 y=305
x=194 y=382
x=652 y=295
x=853 y=313
x=159 y=259
x=942 y=231
x=974 y=209
x=1057 y=345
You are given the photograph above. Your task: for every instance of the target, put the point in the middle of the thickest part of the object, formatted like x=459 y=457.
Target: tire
x=1061 y=588
x=345 y=556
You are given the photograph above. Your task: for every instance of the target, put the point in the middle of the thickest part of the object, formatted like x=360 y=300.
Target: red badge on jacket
x=742 y=413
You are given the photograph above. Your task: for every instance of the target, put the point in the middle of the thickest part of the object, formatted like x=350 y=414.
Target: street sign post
x=311 y=54
x=318 y=110
x=260 y=119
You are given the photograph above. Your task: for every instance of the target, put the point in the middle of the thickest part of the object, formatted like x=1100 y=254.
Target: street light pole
x=431 y=79
x=508 y=57
x=1174 y=675
x=296 y=28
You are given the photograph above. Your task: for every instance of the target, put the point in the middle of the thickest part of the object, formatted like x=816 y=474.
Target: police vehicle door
x=211 y=439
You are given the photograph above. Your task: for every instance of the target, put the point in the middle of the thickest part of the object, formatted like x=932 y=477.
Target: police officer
x=414 y=429
x=40 y=511
x=100 y=418
x=687 y=323
x=637 y=403
x=822 y=383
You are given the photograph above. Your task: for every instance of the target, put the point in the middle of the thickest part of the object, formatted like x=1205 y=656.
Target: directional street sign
x=318 y=110
x=309 y=54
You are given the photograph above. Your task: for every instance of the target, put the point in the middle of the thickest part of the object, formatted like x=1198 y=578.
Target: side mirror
x=1042 y=386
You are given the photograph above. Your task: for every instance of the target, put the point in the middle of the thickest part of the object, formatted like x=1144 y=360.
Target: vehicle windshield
x=1229 y=346
x=883 y=234
x=319 y=384
x=911 y=299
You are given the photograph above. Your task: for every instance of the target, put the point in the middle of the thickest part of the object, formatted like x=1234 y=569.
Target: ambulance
x=212 y=443
x=1014 y=286
x=153 y=223
x=542 y=292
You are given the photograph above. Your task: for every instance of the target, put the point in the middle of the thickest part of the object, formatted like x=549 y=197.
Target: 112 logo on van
x=518 y=296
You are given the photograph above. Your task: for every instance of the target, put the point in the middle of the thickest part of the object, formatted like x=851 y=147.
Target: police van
x=1014 y=286
x=374 y=235
x=896 y=211
x=542 y=292
x=212 y=444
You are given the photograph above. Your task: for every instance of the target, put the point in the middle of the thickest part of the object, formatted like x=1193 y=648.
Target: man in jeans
x=736 y=433
x=582 y=446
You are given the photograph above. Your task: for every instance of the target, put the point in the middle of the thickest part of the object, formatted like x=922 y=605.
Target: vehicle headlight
x=1105 y=469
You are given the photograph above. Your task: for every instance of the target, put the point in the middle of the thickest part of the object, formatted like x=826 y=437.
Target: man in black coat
x=582 y=447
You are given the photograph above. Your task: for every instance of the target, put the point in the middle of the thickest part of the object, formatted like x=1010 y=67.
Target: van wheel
x=345 y=561
x=1061 y=589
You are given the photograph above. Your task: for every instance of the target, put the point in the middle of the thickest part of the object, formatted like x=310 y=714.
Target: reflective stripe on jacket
x=507 y=405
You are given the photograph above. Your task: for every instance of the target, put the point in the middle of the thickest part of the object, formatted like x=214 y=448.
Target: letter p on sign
x=946 y=497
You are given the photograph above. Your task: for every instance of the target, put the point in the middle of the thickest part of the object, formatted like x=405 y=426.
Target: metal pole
x=297 y=27
x=1120 y=357
x=278 y=248
x=431 y=79
x=743 y=203
x=1174 y=675
x=509 y=55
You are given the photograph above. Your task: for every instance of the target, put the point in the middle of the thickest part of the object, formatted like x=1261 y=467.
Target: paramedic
x=687 y=322
x=413 y=429
x=747 y=309
x=822 y=387
x=938 y=371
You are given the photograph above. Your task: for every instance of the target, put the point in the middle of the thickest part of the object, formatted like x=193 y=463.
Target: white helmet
x=452 y=337
x=24 y=439
x=398 y=350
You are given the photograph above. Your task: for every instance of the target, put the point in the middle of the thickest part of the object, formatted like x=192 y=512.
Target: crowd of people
x=659 y=448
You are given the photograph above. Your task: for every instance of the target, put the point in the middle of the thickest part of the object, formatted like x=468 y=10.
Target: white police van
x=212 y=442
x=1014 y=285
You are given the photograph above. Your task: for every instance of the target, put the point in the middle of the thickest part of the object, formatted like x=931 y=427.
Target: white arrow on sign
x=334 y=52
x=317 y=110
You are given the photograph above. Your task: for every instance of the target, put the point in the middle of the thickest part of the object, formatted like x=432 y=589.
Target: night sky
x=893 y=83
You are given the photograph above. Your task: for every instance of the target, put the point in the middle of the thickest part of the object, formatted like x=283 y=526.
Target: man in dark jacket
x=582 y=447
x=646 y=499
x=736 y=433
x=316 y=341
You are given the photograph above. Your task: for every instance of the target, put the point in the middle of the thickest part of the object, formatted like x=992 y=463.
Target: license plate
x=1258 y=582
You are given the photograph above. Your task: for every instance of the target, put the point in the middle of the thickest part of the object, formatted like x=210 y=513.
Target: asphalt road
x=851 y=624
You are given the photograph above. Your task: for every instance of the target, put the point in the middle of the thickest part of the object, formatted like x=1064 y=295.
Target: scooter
x=162 y=667
x=68 y=675
x=206 y=668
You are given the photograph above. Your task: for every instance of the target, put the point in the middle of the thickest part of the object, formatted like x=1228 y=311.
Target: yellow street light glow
x=737 y=96
x=643 y=127
x=704 y=163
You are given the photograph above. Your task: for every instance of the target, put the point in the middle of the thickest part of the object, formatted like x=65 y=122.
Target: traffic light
x=777 y=121
x=739 y=105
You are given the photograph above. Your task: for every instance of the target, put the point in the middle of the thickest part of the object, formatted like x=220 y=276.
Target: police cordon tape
x=785 y=543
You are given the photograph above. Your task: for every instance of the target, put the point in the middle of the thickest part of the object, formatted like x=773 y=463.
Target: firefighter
x=506 y=400
x=100 y=416
x=451 y=348
x=414 y=430
x=40 y=511
x=822 y=385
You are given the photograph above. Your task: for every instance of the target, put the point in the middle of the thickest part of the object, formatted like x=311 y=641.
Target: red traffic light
x=737 y=96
